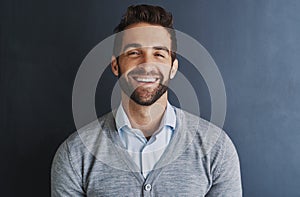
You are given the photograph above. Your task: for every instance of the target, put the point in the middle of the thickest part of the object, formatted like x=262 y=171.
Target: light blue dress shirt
x=143 y=152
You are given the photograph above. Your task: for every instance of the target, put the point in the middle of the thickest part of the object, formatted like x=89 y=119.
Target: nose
x=147 y=61
x=147 y=56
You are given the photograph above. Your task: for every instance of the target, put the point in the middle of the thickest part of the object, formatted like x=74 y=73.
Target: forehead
x=146 y=35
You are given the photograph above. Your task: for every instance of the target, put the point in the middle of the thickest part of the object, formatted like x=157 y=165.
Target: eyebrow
x=136 y=45
x=161 y=48
x=132 y=45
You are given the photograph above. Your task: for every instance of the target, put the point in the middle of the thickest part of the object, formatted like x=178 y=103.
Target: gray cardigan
x=199 y=161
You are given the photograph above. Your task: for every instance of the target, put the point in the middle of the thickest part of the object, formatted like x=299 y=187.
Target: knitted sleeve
x=227 y=177
x=65 y=180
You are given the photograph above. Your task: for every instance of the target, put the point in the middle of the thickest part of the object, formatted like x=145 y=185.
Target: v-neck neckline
x=173 y=150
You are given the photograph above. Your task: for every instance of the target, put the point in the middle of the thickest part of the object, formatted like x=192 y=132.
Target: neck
x=145 y=118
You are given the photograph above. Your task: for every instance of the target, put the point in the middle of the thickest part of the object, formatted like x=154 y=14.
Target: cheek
x=165 y=70
x=125 y=66
x=123 y=72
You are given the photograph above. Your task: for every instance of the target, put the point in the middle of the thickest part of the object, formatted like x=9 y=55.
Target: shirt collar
x=121 y=118
x=169 y=118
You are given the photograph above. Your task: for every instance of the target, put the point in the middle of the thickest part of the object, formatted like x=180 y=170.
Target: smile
x=145 y=79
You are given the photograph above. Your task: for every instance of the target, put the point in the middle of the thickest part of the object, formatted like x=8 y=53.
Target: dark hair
x=154 y=15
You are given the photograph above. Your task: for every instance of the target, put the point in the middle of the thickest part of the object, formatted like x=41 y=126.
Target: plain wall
x=255 y=43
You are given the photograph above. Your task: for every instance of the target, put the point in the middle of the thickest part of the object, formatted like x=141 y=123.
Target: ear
x=114 y=66
x=174 y=69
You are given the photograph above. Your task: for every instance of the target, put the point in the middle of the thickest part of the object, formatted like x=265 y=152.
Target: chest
x=182 y=177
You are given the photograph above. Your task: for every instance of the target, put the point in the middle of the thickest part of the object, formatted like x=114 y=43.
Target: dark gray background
x=255 y=43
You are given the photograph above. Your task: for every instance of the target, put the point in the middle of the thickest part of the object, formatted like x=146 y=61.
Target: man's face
x=145 y=65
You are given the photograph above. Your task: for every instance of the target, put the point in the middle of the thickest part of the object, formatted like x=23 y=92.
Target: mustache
x=142 y=71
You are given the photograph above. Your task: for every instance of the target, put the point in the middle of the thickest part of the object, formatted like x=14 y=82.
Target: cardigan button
x=147 y=187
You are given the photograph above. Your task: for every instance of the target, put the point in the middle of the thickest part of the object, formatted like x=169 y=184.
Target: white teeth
x=146 y=80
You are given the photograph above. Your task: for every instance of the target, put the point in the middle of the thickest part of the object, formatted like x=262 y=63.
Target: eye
x=133 y=53
x=160 y=55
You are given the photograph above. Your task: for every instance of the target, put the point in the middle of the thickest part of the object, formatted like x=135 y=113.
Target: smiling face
x=145 y=65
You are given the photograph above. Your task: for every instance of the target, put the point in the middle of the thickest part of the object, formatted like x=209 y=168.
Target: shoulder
x=208 y=136
x=88 y=133
x=82 y=143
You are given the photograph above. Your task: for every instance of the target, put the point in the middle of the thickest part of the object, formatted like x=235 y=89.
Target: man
x=146 y=147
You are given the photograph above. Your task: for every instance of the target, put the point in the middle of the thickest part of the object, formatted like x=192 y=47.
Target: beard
x=145 y=96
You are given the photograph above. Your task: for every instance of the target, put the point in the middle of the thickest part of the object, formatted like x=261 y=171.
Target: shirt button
x=147 y=187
